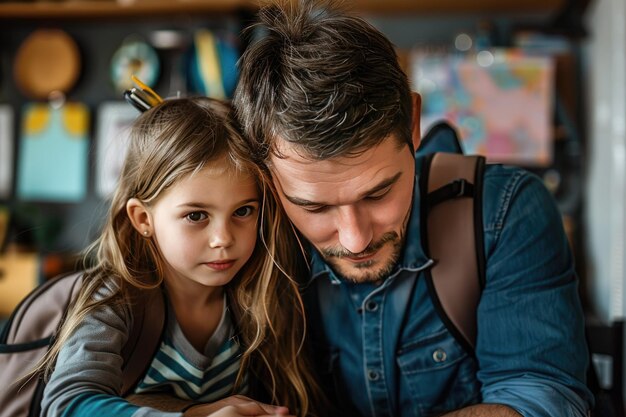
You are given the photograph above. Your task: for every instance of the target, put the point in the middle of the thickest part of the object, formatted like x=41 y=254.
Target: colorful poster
x=501 y=102
x=114 y=121
x=6 y=151
x=54 y=153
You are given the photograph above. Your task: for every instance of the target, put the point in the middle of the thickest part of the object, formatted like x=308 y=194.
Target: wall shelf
x=80 y=9
x=458 y=6
x=96 y=9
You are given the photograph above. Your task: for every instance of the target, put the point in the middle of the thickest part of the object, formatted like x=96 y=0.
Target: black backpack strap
x=451 y=187
x=149 y=317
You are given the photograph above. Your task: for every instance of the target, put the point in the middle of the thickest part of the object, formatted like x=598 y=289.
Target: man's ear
x=139 y=217
x=416 y=133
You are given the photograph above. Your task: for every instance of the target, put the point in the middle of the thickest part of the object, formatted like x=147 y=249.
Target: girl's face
x=205 y=226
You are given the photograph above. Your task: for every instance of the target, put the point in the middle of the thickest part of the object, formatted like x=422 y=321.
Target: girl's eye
x=196 y=216
x=244 y=211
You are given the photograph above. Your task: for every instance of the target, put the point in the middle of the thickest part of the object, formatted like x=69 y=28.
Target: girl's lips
x=220 y=265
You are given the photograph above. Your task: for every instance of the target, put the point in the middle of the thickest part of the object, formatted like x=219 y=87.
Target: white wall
x=606 y=186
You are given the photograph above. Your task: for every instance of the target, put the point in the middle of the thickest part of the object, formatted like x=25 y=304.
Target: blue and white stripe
x=171 y=372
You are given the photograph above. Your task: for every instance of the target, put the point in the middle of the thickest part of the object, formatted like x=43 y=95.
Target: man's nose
x=354 y=229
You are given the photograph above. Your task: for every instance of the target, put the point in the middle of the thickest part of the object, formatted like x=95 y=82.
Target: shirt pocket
x=439 y=374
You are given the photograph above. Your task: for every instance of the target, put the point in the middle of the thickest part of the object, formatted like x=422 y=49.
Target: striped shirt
x=87 y=376
x=179 y=369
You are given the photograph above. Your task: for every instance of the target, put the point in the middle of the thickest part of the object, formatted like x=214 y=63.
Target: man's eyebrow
x=302 y=202
x=379 y=187
x=382 y=185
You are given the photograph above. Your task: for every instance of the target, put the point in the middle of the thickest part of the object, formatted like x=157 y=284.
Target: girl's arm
x=164 y=402
x=87 y=378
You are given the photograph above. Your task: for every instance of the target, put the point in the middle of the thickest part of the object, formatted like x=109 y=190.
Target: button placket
x=373 y=375
x=371 y=306
x=373 y=355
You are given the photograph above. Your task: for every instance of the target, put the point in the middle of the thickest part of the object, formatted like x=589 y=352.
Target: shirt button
x=372 y=375
x=371 y=306
x=439 y=355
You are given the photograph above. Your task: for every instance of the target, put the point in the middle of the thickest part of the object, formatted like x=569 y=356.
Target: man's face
x=354 y=210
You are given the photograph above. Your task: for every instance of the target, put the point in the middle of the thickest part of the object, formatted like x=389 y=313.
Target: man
x=331 y=117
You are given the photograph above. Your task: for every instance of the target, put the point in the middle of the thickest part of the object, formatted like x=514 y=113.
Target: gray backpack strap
x=145 y=336
x=31 y=330
x=26 y=338
x=452 y=211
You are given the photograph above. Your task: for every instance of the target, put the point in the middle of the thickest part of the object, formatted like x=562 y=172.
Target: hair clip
x=142 y=97
x=152 y=96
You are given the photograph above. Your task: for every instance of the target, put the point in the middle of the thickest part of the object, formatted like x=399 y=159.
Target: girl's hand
x=249 y=409
x=235 y=406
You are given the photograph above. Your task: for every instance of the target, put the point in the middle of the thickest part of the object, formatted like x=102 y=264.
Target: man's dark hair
x=323 y=80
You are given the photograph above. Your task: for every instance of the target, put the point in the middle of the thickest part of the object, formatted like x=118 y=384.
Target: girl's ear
x=139 y=216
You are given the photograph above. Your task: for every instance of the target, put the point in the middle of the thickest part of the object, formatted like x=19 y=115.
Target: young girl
x=185 y=218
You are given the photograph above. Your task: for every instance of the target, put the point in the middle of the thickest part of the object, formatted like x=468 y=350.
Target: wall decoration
x=48 y=60
x=501 y=101
x=113 y=123
x=134 y=57
x=212 y=65
x=172 y=45
x=6 y=150
x=54 y=152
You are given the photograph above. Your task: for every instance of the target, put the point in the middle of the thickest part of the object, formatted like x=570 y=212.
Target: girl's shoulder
x=107 y=295
x=138 y=312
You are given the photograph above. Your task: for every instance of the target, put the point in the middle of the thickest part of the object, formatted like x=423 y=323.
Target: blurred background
x=535 y=83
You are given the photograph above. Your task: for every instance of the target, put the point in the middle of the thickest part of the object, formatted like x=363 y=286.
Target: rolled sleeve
x=547 y=398
x=530 y=347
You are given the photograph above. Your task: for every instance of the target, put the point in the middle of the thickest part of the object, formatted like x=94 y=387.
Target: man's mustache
x=340 y=252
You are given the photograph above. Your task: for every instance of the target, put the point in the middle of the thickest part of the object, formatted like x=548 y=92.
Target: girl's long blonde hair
x=168 y=142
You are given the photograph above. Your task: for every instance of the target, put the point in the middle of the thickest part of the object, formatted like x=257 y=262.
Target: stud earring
x=145 y=233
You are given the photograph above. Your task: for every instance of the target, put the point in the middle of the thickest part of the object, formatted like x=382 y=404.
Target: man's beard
x=332 y=255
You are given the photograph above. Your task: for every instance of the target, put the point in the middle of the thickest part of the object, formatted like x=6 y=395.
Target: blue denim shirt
x=385 y=351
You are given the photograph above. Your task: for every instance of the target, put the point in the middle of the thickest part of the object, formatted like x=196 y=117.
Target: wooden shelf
x=79 y=9
x=457 y=7
x=92 y=9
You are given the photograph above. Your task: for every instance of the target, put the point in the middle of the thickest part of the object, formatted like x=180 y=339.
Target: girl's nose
x=221 y=236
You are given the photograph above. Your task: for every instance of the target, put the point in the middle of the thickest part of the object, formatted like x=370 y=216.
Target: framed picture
x=54 y=153
x=501 y=101
x=6 y=150
x=112 y=133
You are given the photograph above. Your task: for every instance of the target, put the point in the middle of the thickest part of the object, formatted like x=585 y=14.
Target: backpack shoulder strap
x=451 y=186
x=148 y=310
x=40 y=313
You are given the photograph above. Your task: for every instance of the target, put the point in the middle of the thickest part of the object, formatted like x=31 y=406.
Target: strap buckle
x=458 y=187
